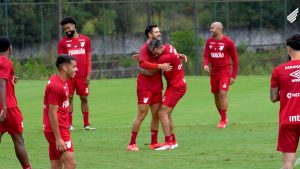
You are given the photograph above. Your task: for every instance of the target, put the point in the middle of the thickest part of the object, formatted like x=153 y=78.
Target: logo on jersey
x=68 y=45
x=77 y=51
x=210 y=46
x=296 y=74
x=294 y=118
x=292 y=67
x=291 y=95
x=164 y=99
x=65 y=104
x=49 y=82
x=86 y=90
x=145 y=100
x=68 y=144
x=224 y=85
x=221 y=47
x=217 y=54
x=179 y=66
x=82 y=44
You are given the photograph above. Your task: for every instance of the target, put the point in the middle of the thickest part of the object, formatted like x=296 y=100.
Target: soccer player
x=79 y=46
x=149 y=93
x=56 y=114
x=285 y=87
x=176 y=88
x=11 y=119
x=219 y=49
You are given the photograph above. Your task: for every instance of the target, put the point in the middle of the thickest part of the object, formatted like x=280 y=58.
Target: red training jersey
x=80 y=48
x=218 y=53
x=148 y=83
x=7 y=72
x=56 y=93
x=175 y=77
x=287 y=78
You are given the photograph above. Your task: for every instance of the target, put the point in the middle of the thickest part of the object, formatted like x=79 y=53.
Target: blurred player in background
x=218 y=52
x=79 y=46
x=11 y=119
x=285 y=87
x=56 y=114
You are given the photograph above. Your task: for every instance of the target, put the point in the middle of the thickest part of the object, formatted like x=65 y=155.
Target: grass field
x=249 y=141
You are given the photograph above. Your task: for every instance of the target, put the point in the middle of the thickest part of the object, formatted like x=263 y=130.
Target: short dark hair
x=5 y=43
x=154 y=44
x=149 y=29
x=68 y=19
x=294 y=42
x=63 y=59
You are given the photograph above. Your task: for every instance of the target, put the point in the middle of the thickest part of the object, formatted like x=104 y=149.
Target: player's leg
x=224 y=104
x=71 y=85
x=1 y=134
x=20 y=150
x=154 y=126
x=214 y=87
x=288 y=160
x=165 y=124
x=173 y=136
x=56 y=164
x=68 y=160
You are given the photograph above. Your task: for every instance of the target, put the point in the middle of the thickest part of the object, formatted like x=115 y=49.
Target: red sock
x=70 y=118
x=154 y=134
x=223 y=115
x=173 y=138
x=220 y=112
x=86 y=118
x=27 y=166
x=168 y=139
x=133 y=137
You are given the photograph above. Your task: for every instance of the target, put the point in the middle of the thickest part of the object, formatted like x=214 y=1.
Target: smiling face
x=69 y=29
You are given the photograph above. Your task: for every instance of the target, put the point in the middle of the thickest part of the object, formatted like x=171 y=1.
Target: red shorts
x=55 y=154
x=288 y=138
x=148 y=97
x=13 y=123
x=78 y=84
x=219 y=82
x=172 y=96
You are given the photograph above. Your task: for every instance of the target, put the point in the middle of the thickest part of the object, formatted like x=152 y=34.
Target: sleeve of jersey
x=88 y=58
x=4 y=70
x=206 y=59
x=60 y=48
x=235 y=60
x=54 y=96
x=144 y=54
x=148 y=65
x=274 y=79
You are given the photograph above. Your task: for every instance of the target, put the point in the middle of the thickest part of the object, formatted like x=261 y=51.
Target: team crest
x=82 y=44
x=221 y=48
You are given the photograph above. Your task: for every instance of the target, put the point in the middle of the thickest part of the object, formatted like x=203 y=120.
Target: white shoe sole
x=164 y=148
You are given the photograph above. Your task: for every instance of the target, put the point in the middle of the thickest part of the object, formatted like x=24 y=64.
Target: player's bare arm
x=60 y=144
x=183 y=57
x=146 y=71
x=232 y=80
x=3 y=112
x=274 y=94
x=165 y=67
x=135 y=57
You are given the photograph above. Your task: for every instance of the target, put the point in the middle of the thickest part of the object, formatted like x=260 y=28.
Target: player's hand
x=232 y=80
x=165 y=67
x=183 y=57
x=3 y=114
x=88 y=79
x=15 y=79
x=60 y=145
x=206 y=68
x=135 y=57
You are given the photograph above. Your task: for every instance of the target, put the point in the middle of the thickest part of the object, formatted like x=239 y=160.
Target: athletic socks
x=27 y=166
x=173 y=137
x=86 y=118
x=223 y=115
x=133 y=137
x=168 y=139
x=154 y=134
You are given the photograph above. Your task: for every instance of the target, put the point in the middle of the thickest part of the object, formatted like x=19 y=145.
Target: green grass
x=249 y=141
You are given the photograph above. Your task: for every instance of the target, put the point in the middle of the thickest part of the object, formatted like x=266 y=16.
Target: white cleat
x=165 y=147
x=174 y=146
x=88 y=127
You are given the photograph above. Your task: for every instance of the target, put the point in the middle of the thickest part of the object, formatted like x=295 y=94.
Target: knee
x=83 y=99
x=223 y=95
x=73 y=163
x=141 y=116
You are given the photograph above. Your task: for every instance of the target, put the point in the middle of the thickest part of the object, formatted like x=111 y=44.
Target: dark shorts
x=148 y=97
x=13 y=123
x=288 y=138
x=55 y=154
x=78 y=84
x=219 y=82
